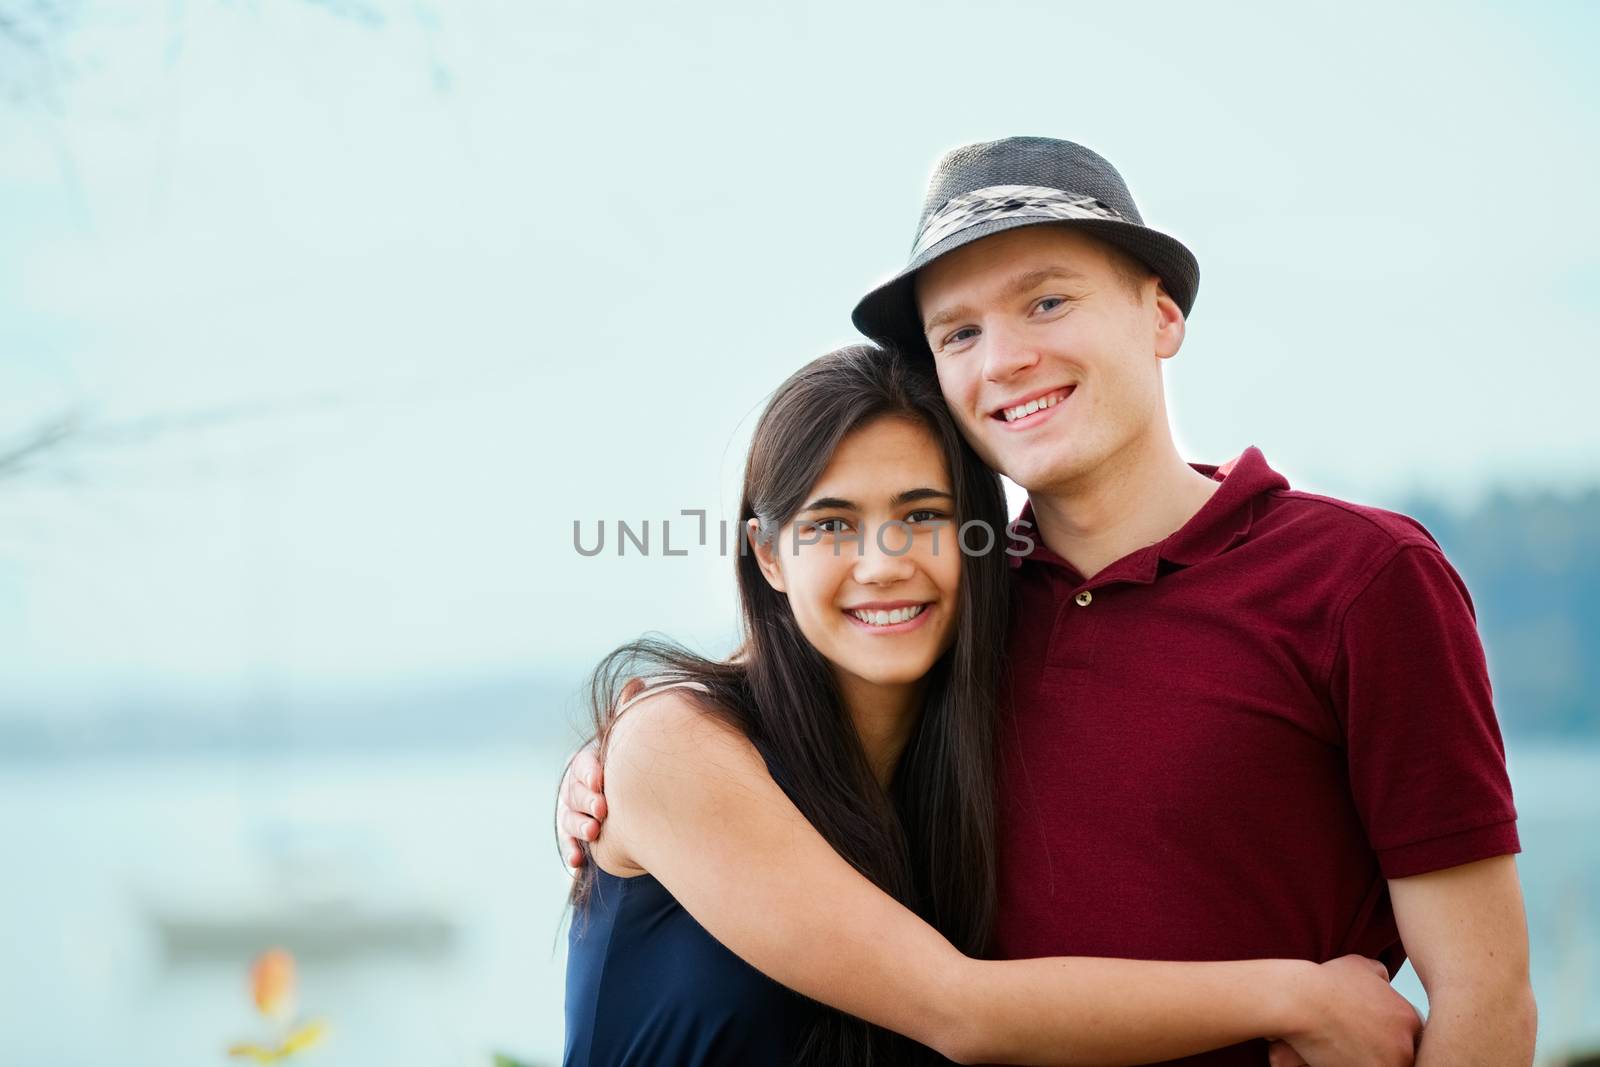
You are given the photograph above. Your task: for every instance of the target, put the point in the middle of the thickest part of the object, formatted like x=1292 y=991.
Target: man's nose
x=1007 y=350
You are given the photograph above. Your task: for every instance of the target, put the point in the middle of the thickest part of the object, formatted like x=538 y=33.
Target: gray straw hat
x=980 y=189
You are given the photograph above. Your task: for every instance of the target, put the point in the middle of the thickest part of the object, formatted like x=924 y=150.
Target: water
x=94 y=848
x=462 y=840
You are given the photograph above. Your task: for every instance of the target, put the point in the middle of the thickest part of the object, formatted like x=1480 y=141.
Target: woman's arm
x=692 y=802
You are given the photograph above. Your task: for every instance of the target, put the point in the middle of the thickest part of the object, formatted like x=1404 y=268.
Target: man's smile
x=1031 y=410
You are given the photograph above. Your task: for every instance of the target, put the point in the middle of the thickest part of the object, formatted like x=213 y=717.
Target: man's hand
x=1282 y=1054
x=581 y=807
x=581 y=803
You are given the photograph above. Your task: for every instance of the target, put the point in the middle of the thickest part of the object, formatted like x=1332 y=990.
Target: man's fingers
x=581 y=805
x=1281 y=1054
x=582 y=800
x=586 y=769
x=573 y=835
x=576 y=826
x=578 y=805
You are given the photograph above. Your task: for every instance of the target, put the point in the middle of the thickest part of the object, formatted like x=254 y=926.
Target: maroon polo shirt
x=1222 y=745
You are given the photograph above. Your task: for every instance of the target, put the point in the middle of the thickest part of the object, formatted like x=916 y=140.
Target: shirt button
x=1084 y=598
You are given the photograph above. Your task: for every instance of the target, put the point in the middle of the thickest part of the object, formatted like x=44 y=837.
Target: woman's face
x=870 y=564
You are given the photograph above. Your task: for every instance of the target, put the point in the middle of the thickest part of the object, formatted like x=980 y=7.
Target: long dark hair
x=930 y=841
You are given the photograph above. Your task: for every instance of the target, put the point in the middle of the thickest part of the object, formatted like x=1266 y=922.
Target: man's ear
x=1169 y=324
x=766 y=555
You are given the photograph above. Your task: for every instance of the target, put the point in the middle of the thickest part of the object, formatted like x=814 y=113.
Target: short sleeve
x=1411 y=687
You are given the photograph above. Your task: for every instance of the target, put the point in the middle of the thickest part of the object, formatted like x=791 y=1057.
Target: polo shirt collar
x=1222 y=522
x=1225 y=519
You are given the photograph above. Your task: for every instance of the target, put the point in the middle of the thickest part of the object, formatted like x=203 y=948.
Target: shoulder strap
x=659 y=685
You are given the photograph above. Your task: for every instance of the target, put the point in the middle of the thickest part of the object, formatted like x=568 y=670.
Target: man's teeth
x=889 y=618
x=1013 y=414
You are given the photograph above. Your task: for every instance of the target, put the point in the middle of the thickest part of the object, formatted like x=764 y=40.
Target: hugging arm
x=693 y=804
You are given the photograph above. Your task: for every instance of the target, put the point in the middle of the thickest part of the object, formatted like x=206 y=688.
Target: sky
x=352 y=309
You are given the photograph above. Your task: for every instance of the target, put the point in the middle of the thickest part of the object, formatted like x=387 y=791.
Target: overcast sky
x=358 y=312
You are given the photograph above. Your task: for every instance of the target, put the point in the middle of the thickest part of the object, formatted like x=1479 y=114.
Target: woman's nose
x=885 y=555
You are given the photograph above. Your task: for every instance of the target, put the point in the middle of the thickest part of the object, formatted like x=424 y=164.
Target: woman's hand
x=1353 y=1017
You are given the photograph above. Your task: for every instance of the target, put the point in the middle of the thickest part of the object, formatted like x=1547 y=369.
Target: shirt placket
x=1077 y=633
x=1074 y=634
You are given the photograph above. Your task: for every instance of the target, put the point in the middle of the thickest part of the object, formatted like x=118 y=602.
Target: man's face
x=1045 y=318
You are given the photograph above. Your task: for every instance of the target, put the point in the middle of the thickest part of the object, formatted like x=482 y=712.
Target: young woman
x=816 y=813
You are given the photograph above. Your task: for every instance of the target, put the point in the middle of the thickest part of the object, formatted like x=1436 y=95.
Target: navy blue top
x=647 y=986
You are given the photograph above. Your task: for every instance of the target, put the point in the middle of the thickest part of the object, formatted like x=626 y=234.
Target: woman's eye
x=831 y=525
x=924 y=516
x=1052 y=301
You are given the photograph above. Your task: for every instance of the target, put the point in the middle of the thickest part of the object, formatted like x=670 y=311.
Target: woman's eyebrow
x=834 y=503
x=830 y=503
x=923 y=493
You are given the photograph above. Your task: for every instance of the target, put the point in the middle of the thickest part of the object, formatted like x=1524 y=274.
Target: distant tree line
x=1532 y=563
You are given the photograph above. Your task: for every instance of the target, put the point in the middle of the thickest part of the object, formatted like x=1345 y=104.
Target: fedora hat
x=983 y=189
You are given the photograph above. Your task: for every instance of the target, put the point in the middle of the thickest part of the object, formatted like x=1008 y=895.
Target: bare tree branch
x=150 y=427
x=29 y=35
x=353 y=10
x=32 y=34
x=42 y=440
x=63 y=439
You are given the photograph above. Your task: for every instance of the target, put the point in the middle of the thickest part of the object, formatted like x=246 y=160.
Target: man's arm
x=1428 y=774
x=1467 y=935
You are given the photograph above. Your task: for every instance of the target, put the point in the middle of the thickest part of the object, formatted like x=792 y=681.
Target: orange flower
x=272 y=983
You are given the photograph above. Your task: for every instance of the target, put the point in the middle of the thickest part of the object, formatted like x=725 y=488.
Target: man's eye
x=963 y=334
x=1052 y=301
x=924 y=516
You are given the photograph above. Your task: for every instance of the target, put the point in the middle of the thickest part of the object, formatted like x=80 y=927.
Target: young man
x=1243 y=721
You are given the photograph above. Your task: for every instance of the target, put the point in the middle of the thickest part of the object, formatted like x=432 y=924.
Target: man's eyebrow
x=1016 y=286
x=834 y=503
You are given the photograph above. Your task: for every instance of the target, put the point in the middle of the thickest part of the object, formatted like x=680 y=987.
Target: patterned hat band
x=1007 y=201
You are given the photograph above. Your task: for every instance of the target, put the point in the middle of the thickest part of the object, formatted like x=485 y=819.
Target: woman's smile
x=895 y=617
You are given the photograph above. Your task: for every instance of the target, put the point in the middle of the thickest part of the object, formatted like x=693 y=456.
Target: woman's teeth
x=889 y=618
x=1013 y=414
